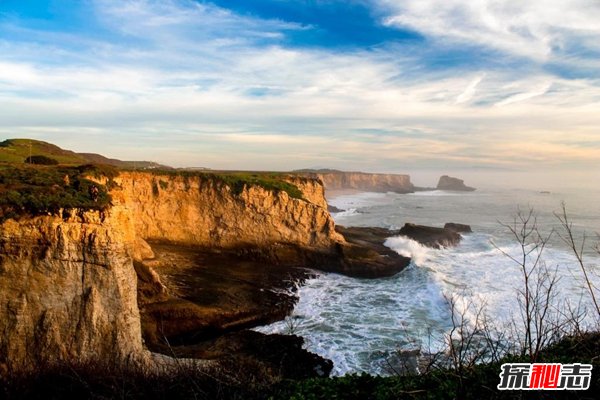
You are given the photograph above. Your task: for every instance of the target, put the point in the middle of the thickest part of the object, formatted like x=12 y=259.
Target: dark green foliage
x=269 y=181
x=478 y=382
x=163 y=184
x=238 y=381
x=37 y=190
x=99 y=170
x=41 y=160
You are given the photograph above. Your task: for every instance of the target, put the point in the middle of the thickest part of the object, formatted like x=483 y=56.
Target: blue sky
x=378 y=85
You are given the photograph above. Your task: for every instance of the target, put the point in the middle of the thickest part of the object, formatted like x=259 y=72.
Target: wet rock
x=458 y=227
x=333 y=209
x=280 y=355
x=365 y=255
x=431 y=236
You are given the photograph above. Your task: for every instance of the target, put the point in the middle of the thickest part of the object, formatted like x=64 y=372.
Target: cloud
x=527 y=95
x=536 y=29
x=190 y=83
x=469 y=91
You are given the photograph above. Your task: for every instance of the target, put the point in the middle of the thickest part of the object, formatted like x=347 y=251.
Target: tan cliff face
x=67 y=289
x=366 y=181
x=206 y=212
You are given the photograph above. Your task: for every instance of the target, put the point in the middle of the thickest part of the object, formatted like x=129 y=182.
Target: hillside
x=18 y=150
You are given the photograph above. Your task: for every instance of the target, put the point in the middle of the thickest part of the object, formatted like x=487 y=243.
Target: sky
x=483 y=88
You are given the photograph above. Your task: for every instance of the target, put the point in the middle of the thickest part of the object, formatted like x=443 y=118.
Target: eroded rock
x=431 y=236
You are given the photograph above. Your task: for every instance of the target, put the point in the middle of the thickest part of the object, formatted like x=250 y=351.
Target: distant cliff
x=449 y=183
x=337 y=180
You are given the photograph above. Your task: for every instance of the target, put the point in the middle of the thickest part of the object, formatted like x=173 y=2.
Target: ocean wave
x=409 y=248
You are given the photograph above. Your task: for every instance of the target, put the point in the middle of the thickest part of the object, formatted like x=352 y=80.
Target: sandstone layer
x=68 y=289
x=69 y=282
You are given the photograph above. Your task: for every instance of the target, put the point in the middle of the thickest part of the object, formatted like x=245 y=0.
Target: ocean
x=361 y=324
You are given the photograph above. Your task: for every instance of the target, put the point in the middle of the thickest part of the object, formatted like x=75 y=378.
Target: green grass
x=28 y=190
x=236 y=180
x=17 y=150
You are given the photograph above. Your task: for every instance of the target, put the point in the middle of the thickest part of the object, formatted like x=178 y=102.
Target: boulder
x=458 y=227
x=431 y=236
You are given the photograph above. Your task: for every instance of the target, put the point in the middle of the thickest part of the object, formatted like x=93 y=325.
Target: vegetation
x=477 y=382
x=36 y=190
x=239 y=381
x=235 y=180
x=41 y=160
x=18 y=150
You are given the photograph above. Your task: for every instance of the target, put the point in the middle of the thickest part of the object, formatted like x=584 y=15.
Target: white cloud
x=533 y=28
x=197 y=85
x=469 y=91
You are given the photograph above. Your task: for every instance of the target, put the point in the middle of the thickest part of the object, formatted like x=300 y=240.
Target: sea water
x=361 y=323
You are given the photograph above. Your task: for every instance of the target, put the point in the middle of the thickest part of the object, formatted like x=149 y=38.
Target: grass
x=37 y=190
x=17 y=150
x=235 y=180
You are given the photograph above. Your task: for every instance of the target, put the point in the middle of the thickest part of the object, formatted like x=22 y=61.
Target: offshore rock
x=449 y=183
x=431 y=236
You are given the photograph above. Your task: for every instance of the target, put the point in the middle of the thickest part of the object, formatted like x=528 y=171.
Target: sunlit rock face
x=68 y=286
x=68 y=289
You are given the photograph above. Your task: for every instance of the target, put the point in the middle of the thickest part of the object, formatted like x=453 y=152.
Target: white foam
x=437 y=193
x=343 y=214
x=408 y=248
x=358 y=323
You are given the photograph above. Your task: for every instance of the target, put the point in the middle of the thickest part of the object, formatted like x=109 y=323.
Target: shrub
x=41 y=160
x=37 y=190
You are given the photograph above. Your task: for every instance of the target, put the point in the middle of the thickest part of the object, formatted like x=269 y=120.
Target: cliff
x=69 y=281
x=68 y=289
x=200 y=210
x=366 y=181
x=68 y=286
x=449 y=183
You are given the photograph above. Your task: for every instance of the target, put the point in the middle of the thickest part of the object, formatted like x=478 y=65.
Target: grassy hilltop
x=18 y=150
x=28 y=188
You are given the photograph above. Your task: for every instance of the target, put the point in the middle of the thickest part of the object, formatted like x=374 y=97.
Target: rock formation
x=449 y=183
x=201 y=211
x=458 y=227
x=68 y=284
x=68 y=289
x=430 y=236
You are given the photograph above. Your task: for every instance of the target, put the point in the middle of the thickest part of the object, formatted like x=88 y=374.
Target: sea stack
x=449 y=183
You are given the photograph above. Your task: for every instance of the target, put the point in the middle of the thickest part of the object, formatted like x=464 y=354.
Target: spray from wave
x=409 y=248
